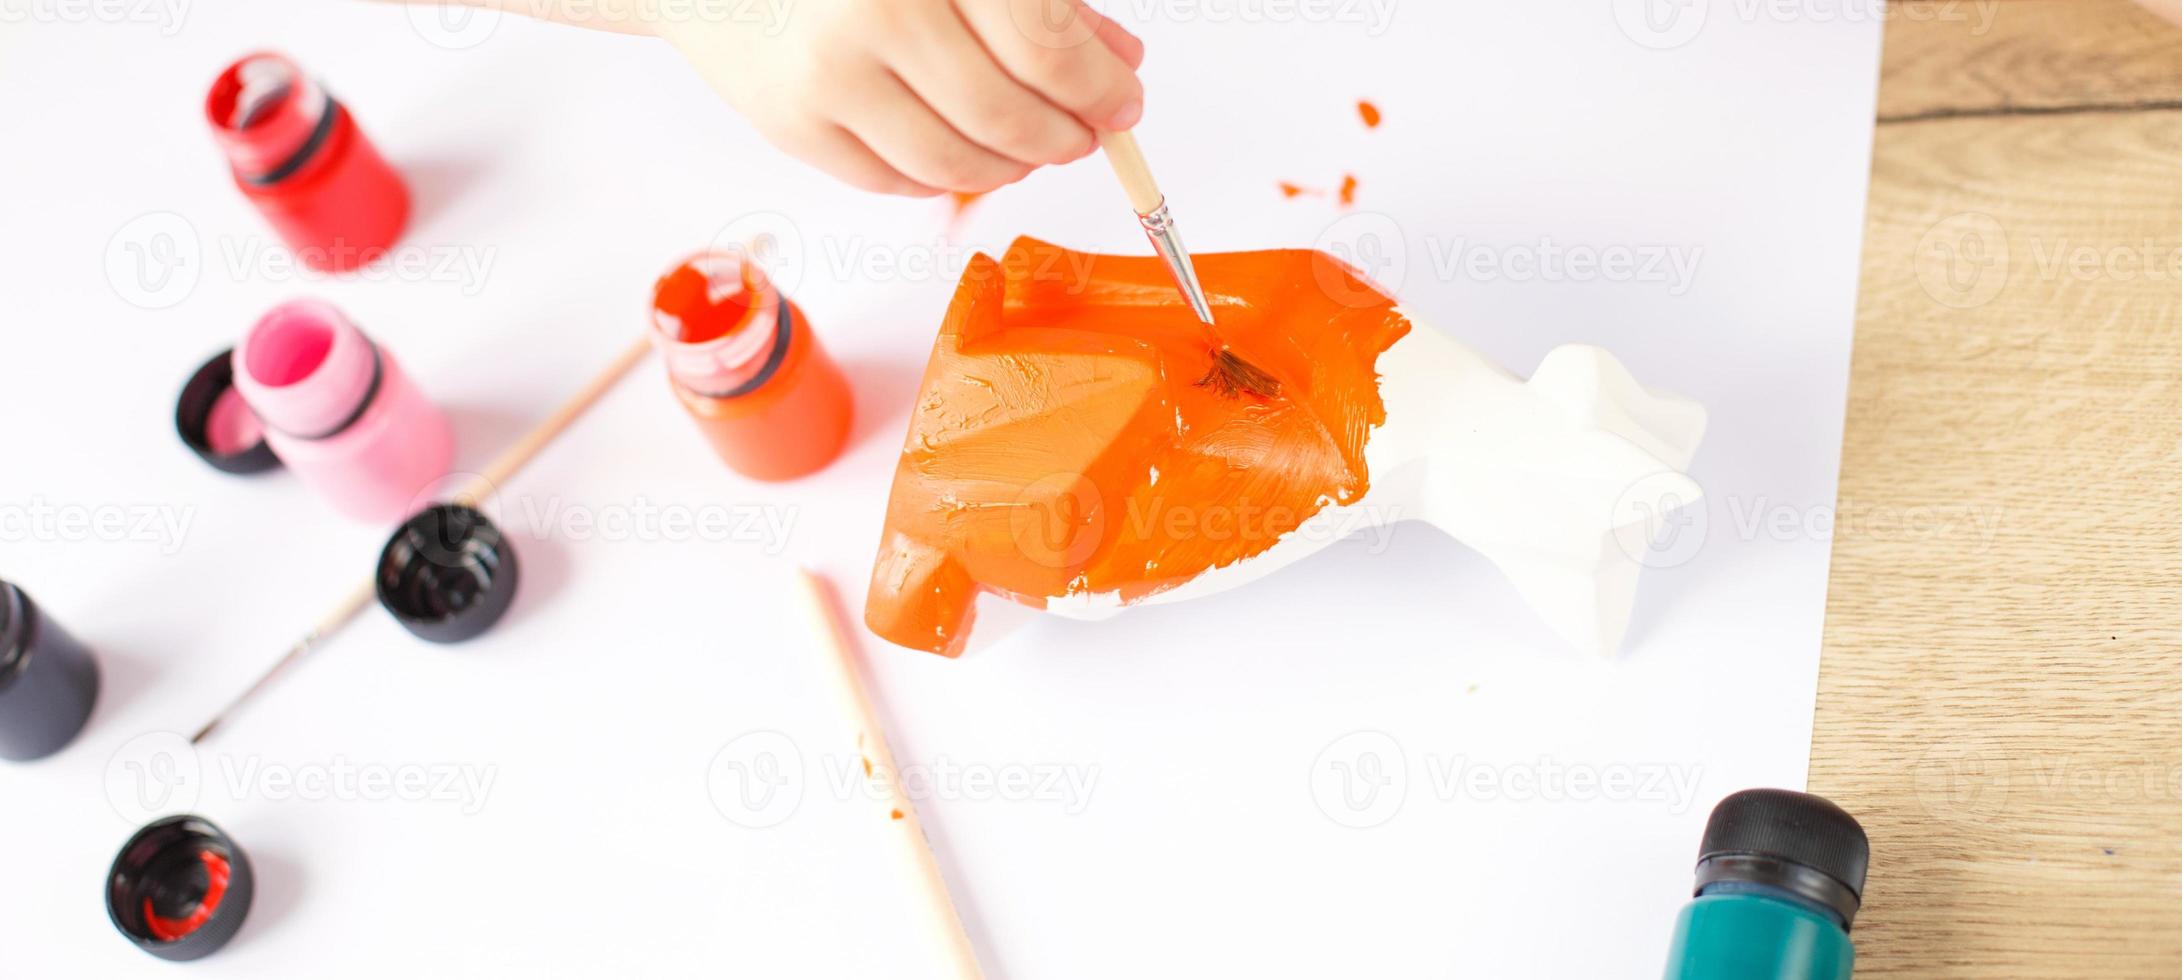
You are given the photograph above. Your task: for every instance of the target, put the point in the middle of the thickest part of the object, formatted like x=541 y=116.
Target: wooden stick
x=844 y=676
x=502 y=467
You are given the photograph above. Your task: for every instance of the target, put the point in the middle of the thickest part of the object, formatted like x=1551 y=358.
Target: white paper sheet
x=1374 y=764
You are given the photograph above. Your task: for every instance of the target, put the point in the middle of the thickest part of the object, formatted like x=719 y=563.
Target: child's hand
x=917 y=96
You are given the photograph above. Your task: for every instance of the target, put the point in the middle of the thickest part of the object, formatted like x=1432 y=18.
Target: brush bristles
x=1231 y=375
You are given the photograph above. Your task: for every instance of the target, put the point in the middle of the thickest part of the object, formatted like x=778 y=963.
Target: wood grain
x=2000 y=699
x=2026 y=56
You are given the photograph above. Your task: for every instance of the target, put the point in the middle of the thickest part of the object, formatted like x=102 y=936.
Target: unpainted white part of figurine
x=1563 y=481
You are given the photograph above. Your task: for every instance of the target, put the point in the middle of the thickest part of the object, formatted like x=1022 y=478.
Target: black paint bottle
x=48 y=681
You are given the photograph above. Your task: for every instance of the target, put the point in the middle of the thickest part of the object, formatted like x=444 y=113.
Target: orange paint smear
x=1370 y=113
x=1296 y=190
x=1348 y=189
x=897 y=814
x=1060 y=446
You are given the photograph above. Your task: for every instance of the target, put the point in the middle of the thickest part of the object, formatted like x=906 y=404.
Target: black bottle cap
x=1790 y=841
x=447 y=574
x=242 y=447
x=180 y=888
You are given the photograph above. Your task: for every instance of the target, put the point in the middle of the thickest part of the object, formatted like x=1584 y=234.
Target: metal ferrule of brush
x=1159 y=227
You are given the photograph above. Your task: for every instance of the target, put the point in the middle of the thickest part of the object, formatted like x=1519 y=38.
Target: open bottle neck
x=266 y=114
x=716 y=320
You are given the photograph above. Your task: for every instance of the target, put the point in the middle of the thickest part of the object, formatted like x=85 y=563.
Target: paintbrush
x=1229 y=374
x=495 y=473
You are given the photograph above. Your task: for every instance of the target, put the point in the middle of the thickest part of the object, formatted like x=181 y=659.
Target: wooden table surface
x=2000 y=700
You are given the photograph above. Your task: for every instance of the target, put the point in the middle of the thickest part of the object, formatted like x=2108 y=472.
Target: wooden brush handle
x=1135 y=174
x=515 y=457
x=484 y=483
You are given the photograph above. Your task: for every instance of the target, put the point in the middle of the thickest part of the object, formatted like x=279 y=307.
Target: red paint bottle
x=298 y=155
x=747 y=367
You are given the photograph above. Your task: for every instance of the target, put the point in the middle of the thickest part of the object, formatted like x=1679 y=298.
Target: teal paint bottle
x=1779 y=878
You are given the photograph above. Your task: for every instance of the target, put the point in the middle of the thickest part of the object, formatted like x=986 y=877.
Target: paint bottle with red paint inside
x=745 y=364
x=298 y=155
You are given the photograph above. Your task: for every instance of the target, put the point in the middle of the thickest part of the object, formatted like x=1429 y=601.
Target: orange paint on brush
x=1348 y=189
x=1059 y=445
x=745 y=364
x=1370 y=113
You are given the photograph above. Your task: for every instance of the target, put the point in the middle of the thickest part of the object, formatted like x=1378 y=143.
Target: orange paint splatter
x=1059 y=446
x=1370 y=113
x=1348 y=189
x=867 y=768
x=1292 y=190
x=960 y=202
x=897 y=814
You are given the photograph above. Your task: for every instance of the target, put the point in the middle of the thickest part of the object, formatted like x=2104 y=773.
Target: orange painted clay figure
x=1060 y=455
x=1060 y=447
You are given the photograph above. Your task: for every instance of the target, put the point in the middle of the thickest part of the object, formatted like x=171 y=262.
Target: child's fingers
x=1061 y=57
x=914 y=140
x=954 y=74
x=1126 y=46
x=840 y=154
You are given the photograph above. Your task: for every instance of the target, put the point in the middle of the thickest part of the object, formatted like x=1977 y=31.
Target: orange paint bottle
x=744 y=362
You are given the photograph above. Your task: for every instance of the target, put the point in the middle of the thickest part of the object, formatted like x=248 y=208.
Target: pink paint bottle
x=339 y=412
